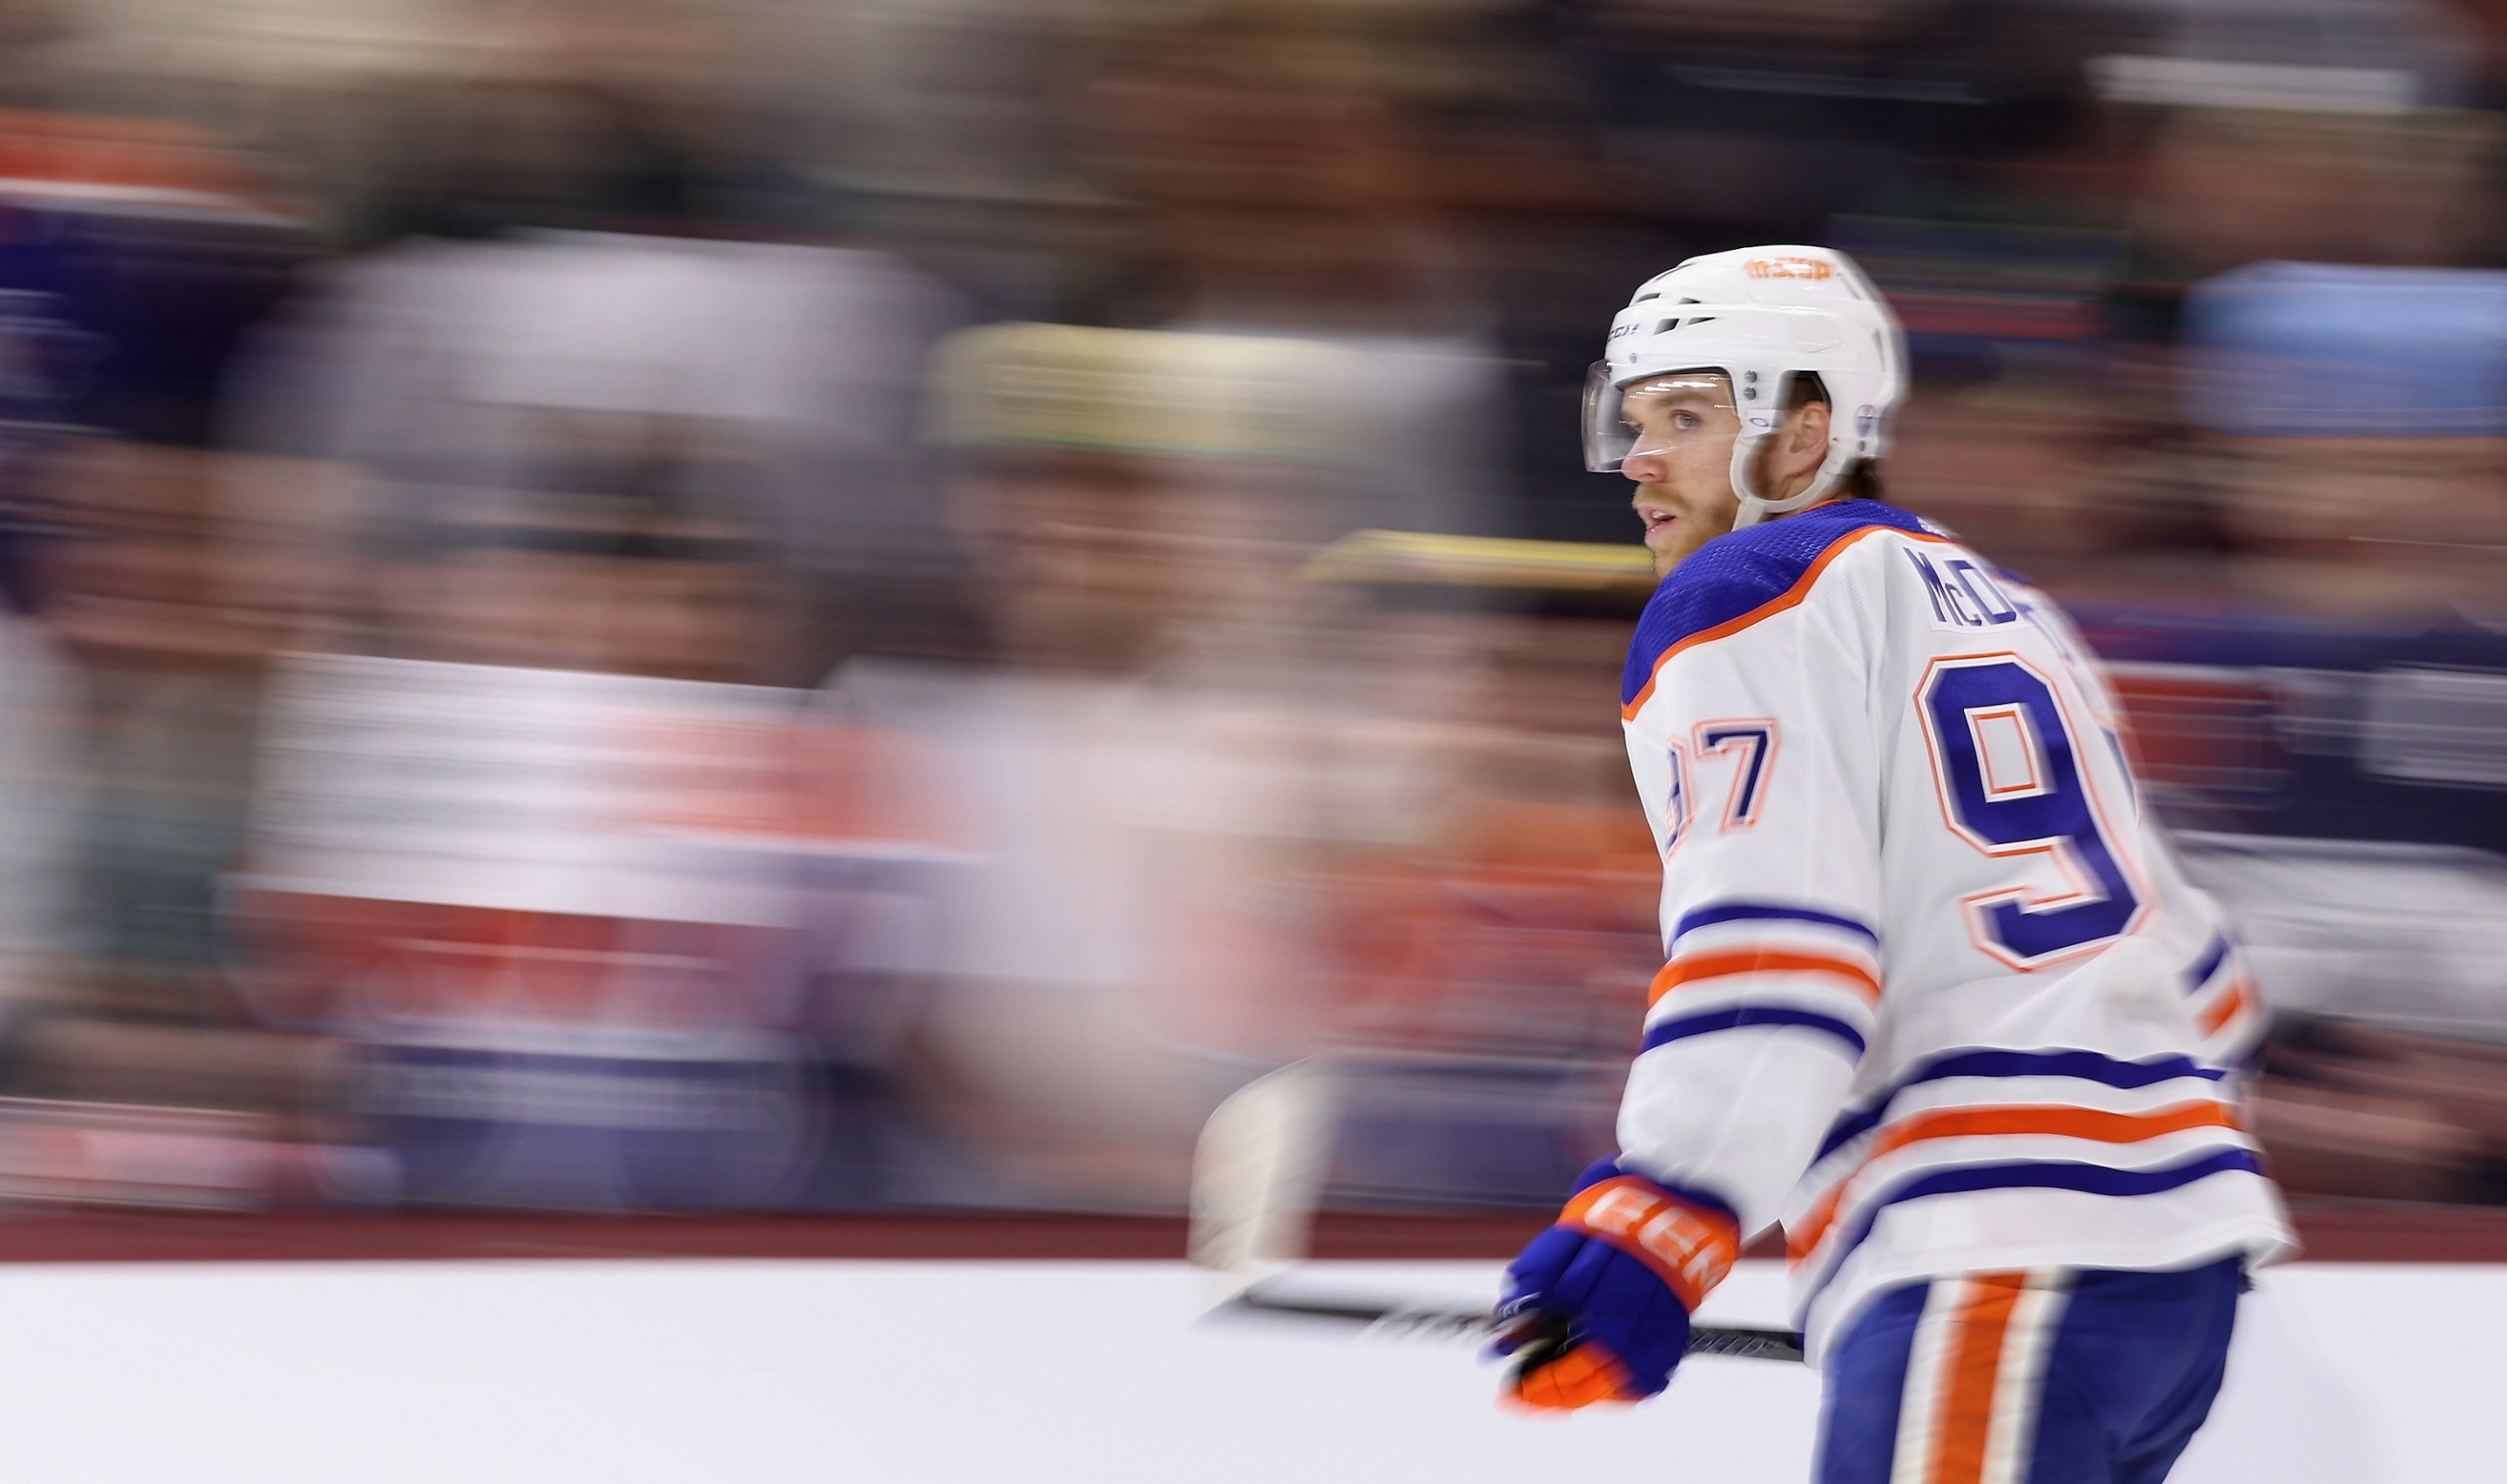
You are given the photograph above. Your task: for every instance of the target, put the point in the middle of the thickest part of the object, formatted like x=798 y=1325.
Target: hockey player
x=1939 y=997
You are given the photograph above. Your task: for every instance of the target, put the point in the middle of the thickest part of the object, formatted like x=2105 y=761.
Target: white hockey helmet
x=1758 y=316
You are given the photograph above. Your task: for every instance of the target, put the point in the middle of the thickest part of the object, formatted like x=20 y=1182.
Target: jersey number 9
x=2011 y=783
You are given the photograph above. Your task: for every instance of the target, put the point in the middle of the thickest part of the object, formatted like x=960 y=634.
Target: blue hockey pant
x=2051 y=1376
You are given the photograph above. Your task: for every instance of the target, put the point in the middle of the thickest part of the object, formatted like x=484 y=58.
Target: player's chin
x=1666 y=544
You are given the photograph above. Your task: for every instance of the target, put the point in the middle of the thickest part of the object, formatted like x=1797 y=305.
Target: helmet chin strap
x=1754 y=507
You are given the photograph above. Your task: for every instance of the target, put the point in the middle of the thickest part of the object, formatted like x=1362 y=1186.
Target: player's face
x=1686 y=427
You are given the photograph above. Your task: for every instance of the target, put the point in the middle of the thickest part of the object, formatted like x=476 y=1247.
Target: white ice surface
x=734 y=1372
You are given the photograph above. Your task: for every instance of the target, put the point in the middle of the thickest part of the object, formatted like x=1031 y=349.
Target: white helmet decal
x=1759 y=314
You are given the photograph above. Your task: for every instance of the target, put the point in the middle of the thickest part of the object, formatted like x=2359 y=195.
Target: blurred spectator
x=138 y=251
x=1142 y=781
x=2363 y=413
x=2228 y=186
x=649 y=456
x=1493 y=960
x=1284 y=193
x=566 y=481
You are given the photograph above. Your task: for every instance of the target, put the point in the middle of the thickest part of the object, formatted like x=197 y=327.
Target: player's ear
x=1806 y=429
x=1799 y=449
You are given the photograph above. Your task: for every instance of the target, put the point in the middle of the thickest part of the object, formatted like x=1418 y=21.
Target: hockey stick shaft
x=1745 y=1342
x=1256 y=1179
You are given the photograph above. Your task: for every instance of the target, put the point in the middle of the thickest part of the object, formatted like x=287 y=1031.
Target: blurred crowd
x=631 y=604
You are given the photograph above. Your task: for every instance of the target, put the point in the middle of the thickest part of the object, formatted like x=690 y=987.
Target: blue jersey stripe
x=1709 y=1022
x=1852 y=1127
x=2041 y=1175
x=2200 y=974
x=2088 y=1066
x=1773 y=912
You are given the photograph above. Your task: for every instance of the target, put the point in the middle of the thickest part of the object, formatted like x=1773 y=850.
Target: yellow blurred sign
x=1142 y=391
x=1484 y=561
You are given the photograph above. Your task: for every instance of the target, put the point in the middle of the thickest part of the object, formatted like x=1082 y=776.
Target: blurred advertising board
x=2340 y=789
x=183 y=1158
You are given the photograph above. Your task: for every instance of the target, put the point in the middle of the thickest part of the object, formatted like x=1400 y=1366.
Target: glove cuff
x=1690 y=1246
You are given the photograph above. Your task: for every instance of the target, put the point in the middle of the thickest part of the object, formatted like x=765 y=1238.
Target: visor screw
x=1750 y=395
x=1750 y=376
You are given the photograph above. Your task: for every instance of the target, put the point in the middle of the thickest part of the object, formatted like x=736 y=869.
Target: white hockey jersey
x=1939 y=996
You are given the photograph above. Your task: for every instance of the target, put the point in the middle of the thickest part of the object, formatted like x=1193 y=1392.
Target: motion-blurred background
x=868 y=604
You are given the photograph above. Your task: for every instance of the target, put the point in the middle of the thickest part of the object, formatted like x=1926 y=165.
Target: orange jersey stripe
x=1790 y=598
x=2063 y=1122
x=1802 y=1239
x=1967 y=1122
x=2228 y=1007
x=1753 y=960
x=1973 y=1363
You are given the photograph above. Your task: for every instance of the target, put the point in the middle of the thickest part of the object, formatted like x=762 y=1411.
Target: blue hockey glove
x=1601 y=1300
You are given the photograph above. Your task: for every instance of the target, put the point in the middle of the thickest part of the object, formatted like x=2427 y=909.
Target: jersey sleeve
x=1756 y=740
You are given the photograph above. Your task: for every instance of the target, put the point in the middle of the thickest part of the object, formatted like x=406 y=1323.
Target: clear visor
x=1657 y=414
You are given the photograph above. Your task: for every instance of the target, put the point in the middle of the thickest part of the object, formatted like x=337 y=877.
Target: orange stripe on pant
x=1754 y=960
x=1969 y=1122
x=1972 y=1362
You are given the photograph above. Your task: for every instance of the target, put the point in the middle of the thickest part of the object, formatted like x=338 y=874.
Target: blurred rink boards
x=1090 y=1373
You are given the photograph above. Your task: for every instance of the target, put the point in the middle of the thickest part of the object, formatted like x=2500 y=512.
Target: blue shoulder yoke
x=1732 y=574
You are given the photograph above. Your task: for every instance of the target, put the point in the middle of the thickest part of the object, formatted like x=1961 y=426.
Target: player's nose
x=1645 y=468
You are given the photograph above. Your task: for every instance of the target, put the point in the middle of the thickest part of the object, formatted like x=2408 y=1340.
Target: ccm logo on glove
x=1691 y=1253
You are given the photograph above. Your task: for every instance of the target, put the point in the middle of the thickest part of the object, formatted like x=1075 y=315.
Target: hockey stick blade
x=1258 y=1173
x=1432 y=1321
